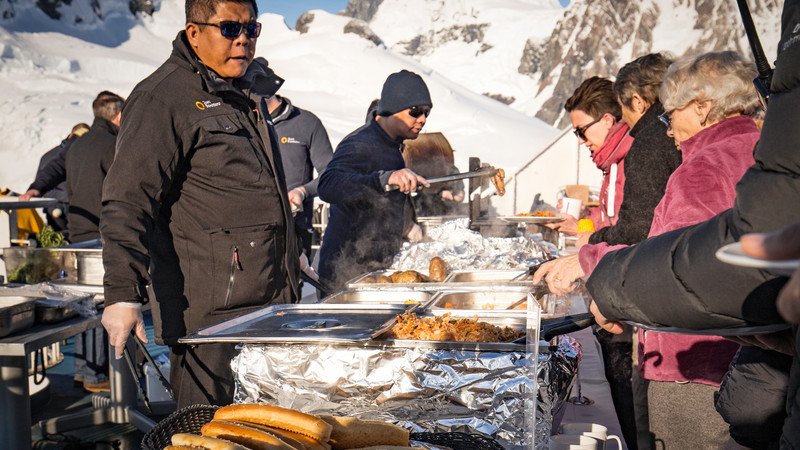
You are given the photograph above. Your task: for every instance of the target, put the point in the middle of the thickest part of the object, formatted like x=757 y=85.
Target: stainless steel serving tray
x=307 y=323
x=359 y=283
x=16 y=313
x=490 y=302
x=404 y=298
x=517 y=322
x=486 y=276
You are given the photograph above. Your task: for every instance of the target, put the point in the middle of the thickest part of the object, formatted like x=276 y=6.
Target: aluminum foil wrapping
x=50 y=294
x=462 y=248
x=423 y=389
x=556 y=374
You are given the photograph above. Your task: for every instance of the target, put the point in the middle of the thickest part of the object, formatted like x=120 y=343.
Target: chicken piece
x=369 y=280
x=383 y=279
x=407 y=276
x=437 y=269
x=499 y=182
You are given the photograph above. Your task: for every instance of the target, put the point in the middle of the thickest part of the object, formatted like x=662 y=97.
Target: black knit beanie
x=403 y=90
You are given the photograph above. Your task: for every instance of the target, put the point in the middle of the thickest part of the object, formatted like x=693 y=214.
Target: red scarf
x=612 y=152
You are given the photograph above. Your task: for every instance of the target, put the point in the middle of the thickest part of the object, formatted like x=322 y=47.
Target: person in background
x=196 y=217
x=367 y=224
x=87 y=164
x=304 y=147
x=430 y=155
x=708 y=101
x=50 y=181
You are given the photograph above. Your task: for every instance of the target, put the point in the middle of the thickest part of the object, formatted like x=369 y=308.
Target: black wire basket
x=192 y=418
x=186 y=420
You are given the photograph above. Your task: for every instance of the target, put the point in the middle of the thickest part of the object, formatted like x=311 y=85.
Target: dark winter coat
x=51 y=176
x=87 y=164
x=304 y=146
x=366 y=224
x=648 y=165
x=195 y=202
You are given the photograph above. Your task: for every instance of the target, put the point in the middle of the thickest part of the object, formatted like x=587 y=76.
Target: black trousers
x=202 y=374
x=618 y=363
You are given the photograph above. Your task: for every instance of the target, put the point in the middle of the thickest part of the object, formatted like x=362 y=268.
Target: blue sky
x=291 y=9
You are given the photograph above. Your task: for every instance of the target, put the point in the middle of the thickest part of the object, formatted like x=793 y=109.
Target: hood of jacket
x=258 y=80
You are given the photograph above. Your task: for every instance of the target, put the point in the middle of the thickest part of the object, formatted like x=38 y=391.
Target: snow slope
x=51 y=70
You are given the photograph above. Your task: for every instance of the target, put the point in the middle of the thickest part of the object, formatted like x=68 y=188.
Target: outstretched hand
x=780 y=245
x=407 y=181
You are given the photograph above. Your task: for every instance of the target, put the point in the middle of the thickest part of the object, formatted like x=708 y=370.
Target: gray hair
x=723 y=78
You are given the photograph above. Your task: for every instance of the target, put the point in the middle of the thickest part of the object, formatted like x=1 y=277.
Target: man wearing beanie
x=367 y=224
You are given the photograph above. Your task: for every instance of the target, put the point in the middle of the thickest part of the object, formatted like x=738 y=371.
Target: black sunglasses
x=580 y=132
x=666 y=118
x=232 y=29
x=416 y=111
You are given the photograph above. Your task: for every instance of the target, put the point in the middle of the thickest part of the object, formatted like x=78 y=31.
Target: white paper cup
x=569 y=442
x=592 y=430
x=571 y=206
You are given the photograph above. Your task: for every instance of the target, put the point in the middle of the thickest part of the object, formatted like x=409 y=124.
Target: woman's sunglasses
x=416 y=111
x=232 y=29
x=580 y=132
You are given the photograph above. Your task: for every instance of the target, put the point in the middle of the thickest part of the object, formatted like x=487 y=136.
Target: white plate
x=532 y=219
x=733 y=254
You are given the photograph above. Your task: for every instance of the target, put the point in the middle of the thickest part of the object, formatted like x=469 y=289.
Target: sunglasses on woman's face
x=231 y=29
x=580 y=132
x=416 y=111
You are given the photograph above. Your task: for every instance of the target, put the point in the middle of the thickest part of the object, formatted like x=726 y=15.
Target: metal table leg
x=15 y=426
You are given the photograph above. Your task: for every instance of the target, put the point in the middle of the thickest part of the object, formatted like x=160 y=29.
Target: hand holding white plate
x=733 y=254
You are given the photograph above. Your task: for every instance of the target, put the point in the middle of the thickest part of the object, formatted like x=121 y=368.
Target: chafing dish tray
x=491 y=302
x=16 y=313
x=486 y=276
x=519 y=323
x=380 y=298
x=361 y=283
x=302 y=323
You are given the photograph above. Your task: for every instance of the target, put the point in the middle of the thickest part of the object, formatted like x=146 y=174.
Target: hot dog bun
x=250 y=437
x=293 y=439
x=350 y=432
x=182 y=447
x=204 y=442
x=277 y=417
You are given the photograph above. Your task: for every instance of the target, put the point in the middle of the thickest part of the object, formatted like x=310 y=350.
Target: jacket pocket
x=227 y=152
x=246 y=265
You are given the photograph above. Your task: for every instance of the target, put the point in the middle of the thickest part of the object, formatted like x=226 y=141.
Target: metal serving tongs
x=482 y=172
x=532 y=269
x=137 y=376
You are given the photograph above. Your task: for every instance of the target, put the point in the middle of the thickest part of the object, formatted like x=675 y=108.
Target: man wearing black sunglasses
x=367 y=224
x=195 y=209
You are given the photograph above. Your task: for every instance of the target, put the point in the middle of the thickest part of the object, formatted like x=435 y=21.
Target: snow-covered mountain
x=56 y=55
x=539 y=52
x=51 y=69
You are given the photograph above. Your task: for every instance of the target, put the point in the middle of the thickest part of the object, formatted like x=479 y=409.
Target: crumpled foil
x=556 y=374
x=462 y=248
x=422 y=389
x=55 y=296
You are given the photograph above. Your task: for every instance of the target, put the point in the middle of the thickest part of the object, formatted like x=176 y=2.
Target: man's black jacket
x=304 y=146
x=195 y=201
x=87 y=164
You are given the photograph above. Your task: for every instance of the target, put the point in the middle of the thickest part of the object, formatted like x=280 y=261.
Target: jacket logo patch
x=289 y=140
x=206 y=104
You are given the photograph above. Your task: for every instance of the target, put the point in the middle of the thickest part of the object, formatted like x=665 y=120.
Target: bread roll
x=204 y=442
x=277 y=417
x=182 y=447
x=350 y=432
x=250 y=437
x=294 y=439
x=437 y=269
